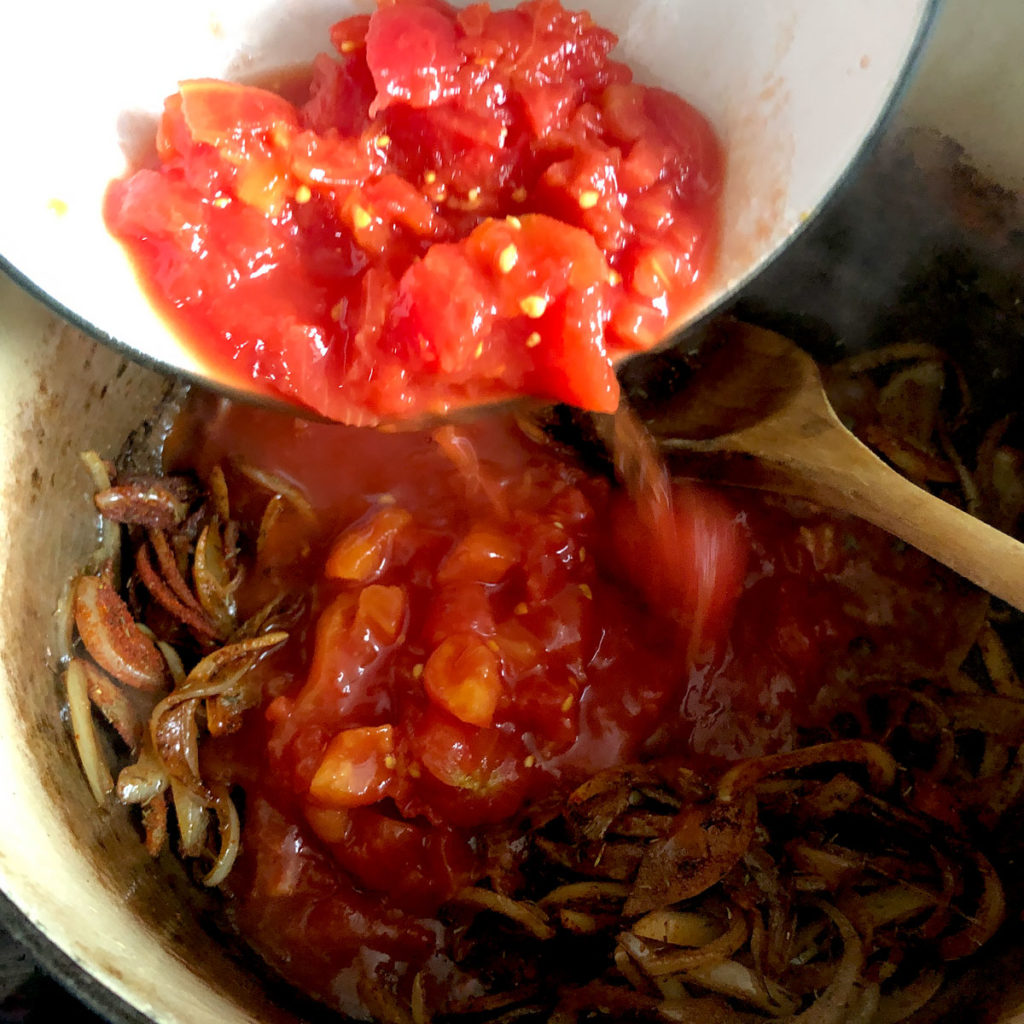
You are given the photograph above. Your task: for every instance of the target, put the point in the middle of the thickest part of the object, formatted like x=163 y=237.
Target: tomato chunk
x=464 y=677
x=470 y=205
x=356 y=768
x=362 y=552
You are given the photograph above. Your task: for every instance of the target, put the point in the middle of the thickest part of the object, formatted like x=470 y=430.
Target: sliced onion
x=381 y=1002
x=230 y=837
x=109 y=549
x=832 y=1005
x=219 y=493
x=865 y=1005
x=214 y=586
x=168 y=599
x=175 y=738
x=207 y=680
x=114 y=704
x=190 y=811
x=278 y=485
x=171 y=571
x=878 y=761
x=113 y=639
x=140 y=782
x=173 y=660
x=896 y=1006
x=737 y=981
x=678 y=928
x=418 y=1004
x=656 y=962
x=94 y=764
x=984 y=922
x=64 y=624
x=525 y=914
x=1000 y=668
x=588 y=892
x=154 y=821
x=143 y=503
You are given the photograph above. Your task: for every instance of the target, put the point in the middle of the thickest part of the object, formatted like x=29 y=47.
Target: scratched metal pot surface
x=918 y=243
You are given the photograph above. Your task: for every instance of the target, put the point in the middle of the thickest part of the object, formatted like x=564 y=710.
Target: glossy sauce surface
x=466 y=205
x=483 y=624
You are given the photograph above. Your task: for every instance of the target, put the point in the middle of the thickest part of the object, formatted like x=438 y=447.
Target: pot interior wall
x=78 y=873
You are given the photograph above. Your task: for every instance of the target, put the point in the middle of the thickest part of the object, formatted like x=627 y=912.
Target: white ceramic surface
x=793 y=87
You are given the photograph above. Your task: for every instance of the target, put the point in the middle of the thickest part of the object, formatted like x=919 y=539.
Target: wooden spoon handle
x=833 y=468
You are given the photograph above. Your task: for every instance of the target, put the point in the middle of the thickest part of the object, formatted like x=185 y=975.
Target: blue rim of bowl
x=58 y=964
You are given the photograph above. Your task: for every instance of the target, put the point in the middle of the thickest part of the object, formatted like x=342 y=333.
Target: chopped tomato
x=362 y=552
x=416 y=865
x=530 y=626
x=463 y=676
x=470 y=775
x=356 y=768
x=469 y=205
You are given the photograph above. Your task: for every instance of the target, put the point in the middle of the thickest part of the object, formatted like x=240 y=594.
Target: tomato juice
x=481 y=624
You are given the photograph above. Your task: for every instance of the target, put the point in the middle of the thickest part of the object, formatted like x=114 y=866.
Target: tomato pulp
x=484 y=625
x=469 y=204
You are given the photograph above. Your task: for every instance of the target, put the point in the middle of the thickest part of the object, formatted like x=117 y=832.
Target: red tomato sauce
x=485 y=624
x=469 y=204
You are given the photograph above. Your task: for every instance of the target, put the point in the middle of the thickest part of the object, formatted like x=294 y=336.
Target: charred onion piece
x=113 y=639
x=149 y=503
x=94 y=764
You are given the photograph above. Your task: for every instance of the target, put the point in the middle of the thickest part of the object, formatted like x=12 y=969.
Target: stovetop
x=30 y=996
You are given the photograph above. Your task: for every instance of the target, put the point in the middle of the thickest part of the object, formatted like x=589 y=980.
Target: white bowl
x=794 y=88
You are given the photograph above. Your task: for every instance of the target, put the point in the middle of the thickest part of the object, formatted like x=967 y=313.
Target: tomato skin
x=351 y=251
x=471 y=775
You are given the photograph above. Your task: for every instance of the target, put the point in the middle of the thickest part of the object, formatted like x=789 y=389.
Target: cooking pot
x=134 y=936
x=793 y=87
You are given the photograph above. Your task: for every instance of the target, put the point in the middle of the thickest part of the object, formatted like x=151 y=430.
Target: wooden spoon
x=759 y=405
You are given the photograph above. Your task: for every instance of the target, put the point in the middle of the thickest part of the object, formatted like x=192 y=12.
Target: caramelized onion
x=112 y=638
x=820 y=885
x=215 y=587
x=842 y=992
x=142 y=503
x=94 y=765
x=109 y=549
x=524 y=914
x=140 y=782
x=164 y=594
x=230 y=837
x=656 y=961
x=745 y=775
x=114 y=704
